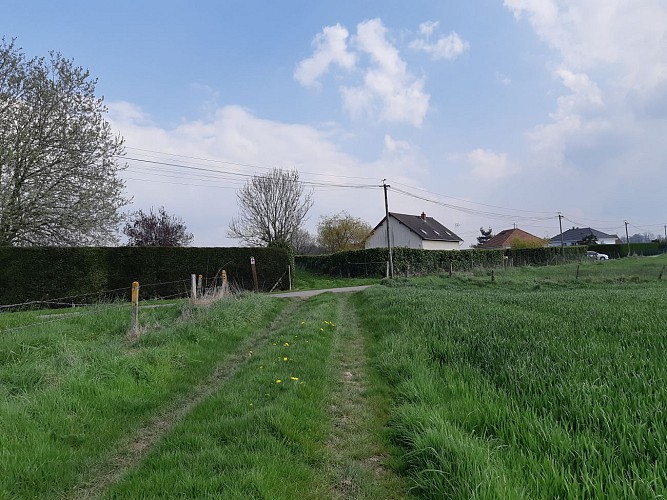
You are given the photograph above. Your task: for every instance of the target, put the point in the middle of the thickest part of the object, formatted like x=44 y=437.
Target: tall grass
x=72 y=389
x=523 y=391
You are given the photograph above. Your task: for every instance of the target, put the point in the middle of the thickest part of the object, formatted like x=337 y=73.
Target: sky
x=480 y=113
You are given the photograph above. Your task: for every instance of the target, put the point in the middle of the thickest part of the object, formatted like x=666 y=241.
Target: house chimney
x=423 y=216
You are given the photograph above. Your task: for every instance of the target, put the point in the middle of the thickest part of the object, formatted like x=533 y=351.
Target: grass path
x=357 y=411
x=301 y=417
x=129 y=454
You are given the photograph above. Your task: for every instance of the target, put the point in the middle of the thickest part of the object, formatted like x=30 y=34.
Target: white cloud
x=388 y=91
x=488 y=165
x=388 y=87
x=237 y=140
x=446 y=47
x=330 y=48
x=610 y=57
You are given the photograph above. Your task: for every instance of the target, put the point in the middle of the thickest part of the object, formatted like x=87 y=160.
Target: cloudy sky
x=479 y=113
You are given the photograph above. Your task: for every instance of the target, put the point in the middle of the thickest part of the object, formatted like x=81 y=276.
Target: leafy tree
x=519 y=243
x=156 y=230
x=273 y=206
x=485 y=236
x=59 y=180
x=341 y=231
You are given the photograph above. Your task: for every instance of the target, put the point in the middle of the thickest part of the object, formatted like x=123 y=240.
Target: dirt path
x=131 y=452
x=357 y=440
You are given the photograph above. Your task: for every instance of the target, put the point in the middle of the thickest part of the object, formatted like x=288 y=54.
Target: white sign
x=252 y=261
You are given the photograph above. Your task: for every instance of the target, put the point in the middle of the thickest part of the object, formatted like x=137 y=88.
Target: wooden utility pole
x=627 y=238
x=386 y=211
x=560 y=223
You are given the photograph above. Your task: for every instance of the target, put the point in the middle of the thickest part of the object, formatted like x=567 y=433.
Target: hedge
x=372 y=262
x=618 y=251
x=47 y=273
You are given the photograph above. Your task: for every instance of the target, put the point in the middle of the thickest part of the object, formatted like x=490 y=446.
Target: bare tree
x=273 y=206
x=59 y=180
x=156 y=230
x=304 y=243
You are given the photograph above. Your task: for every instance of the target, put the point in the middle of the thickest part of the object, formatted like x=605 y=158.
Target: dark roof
x=579 y=233
x=504 y=238
x=427 y=228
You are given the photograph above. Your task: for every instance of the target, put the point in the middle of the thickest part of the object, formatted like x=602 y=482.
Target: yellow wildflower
x=294 y=378
x=278 y=381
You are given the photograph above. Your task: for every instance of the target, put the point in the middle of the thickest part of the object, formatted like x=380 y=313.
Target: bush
x=44 y=273
x=407 y=261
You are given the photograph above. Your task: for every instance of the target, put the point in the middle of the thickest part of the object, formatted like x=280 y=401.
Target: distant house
x=413 y=231
x=576 y=235
x=505 y=238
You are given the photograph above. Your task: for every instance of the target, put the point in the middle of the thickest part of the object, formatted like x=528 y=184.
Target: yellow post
x=135 y=305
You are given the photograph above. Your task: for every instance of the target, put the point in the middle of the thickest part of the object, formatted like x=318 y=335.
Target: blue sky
x=484 y=113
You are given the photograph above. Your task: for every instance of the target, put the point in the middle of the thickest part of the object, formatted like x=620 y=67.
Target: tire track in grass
x=359 y=451
x=132 y=451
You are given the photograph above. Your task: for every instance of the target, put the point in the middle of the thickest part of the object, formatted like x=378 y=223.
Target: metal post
x=289 y=276
x=193 y=292
x=225 y=286
x=200 y=286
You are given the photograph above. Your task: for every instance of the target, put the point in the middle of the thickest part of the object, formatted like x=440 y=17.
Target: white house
x=576 y=235
x=413 y=231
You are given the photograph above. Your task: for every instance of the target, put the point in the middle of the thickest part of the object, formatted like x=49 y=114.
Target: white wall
x=401 y=236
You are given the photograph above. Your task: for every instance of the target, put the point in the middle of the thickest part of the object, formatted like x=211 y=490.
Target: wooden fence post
x=135 y=306
x=200 y=286
x=225 y=286
x=289 y=276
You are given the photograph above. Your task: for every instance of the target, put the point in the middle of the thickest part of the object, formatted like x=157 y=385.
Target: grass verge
x=71 y=390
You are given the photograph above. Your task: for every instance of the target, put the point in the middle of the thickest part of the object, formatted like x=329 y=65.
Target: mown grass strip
x=361 y=465
x=263 y=434
x=72 y=390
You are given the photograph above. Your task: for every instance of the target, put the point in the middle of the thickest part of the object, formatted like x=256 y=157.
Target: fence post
x=493 y=276
x=661 y=271
x=193 y=291
x=224 y=282
x=577 y=275
x=199 y=286
x=387 y=269
x=135 y=306
x=451 y=269
x=289 y=276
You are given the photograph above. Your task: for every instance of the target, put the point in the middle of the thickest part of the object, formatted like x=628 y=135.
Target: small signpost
x=135 y=306
x=254 y=273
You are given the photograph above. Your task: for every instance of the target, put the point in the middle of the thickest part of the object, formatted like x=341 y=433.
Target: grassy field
x=526 y=383
x=535 y=385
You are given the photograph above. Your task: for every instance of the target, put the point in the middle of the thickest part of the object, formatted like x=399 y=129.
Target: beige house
x=413 y=231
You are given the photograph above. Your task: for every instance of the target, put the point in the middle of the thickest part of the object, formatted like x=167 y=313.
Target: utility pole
x=665 y=232
x=627 y=238
x=560 y=223
x=386 y=211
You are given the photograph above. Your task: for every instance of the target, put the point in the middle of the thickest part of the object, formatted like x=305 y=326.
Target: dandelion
x=303 y=322
x=286 y=344
x=285 y=358
x=294 y=378
x=321 y=329
x=278 y=381
x=261 y=367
